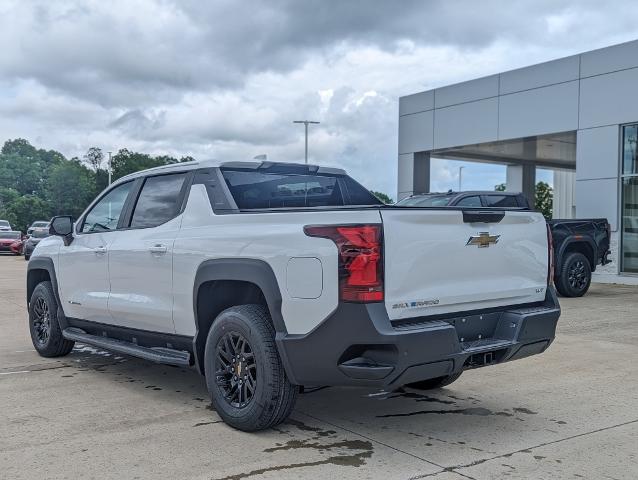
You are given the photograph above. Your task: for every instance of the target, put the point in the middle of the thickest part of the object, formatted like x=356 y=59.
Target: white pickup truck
x=267 y=277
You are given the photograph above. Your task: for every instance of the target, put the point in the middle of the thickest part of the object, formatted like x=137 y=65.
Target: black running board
x=162 y=355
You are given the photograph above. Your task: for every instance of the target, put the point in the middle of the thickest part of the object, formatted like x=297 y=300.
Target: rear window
x=40 y=234
x=255 y=190
x=501 y=201
x=426 y=201
x=10 y=235
x=4 y=223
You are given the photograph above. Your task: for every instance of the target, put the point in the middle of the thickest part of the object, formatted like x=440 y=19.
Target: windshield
x=39 y=224
x=10 y=235
x=40 y=234
x=426 y=201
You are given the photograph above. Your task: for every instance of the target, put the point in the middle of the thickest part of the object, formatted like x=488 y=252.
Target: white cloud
x=225 y=80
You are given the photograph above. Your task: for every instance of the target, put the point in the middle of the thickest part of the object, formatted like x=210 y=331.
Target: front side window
x=629 y=239
x=105 y=214
x=474 y=201
x=159 y=200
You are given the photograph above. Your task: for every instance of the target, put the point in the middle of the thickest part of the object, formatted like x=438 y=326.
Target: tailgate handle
x=483 y=216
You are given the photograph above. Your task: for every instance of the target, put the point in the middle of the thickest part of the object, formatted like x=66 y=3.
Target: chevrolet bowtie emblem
x=483 y=239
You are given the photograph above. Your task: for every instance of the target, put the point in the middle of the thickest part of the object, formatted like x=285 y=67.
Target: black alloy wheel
x=236 y=370
x=577 y=275
x=44 y=327
x=41 y=321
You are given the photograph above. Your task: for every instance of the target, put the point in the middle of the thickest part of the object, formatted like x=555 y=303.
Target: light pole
x=306 y=122
x=460 y=177
x=110 y=167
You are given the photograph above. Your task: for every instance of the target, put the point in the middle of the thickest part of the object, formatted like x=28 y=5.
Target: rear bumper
x=359 y=345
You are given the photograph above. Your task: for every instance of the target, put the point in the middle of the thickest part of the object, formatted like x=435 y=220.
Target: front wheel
x=46 y=334
x=244 y=374
x=575 y=276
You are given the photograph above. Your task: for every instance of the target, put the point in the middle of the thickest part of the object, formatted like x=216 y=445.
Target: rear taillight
x=360 y=249
x=550 y=256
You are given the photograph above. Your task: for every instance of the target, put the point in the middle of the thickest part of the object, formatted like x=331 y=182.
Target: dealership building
x=577 y=116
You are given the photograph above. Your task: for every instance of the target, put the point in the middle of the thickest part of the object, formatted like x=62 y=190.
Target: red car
x=11 y=242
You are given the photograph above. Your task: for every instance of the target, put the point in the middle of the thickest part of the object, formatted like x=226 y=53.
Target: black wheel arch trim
x=565 y=250
x=249 y=270
x=46 y=264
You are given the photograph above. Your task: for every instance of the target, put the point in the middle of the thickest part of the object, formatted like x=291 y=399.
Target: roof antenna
x=262 y=156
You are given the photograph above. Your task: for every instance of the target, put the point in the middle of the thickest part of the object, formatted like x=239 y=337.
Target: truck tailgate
x=435 y=263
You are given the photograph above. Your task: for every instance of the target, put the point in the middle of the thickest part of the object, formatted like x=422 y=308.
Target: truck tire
x=575 y=276
x=46 y=334
x=244 y=374
x=433 y=383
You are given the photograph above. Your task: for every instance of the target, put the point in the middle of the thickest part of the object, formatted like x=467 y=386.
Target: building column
x=522 y=178
x=414 y=174
x=564 y=198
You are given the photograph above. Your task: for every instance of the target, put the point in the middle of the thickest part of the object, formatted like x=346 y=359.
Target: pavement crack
x=454 y=468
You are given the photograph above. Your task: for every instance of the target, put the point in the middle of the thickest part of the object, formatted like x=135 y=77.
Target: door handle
x=99 y=250
x=157 y=248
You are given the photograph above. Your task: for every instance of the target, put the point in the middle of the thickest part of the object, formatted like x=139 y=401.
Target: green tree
x=500 y=187
x=26 y=209
x=125 y=162
x=382 y=196
x=544 y=199
x=72 y=187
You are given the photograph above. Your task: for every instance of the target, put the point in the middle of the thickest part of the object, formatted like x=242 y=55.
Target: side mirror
x=62 y=226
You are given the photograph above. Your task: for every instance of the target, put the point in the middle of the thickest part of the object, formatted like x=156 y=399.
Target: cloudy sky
x=225 y=79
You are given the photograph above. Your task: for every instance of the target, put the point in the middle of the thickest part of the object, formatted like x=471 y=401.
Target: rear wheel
x=46 y=334
x=433 y=383
x=244 y=374
x=575 y=276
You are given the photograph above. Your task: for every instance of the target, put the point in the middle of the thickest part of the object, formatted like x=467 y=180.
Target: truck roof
x=266 y=166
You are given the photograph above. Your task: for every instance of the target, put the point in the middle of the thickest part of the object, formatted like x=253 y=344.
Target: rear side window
x=255 y=190
x=474 y=201
x=501 y=201
x=159 y=200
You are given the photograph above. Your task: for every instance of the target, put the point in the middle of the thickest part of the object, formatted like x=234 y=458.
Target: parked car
x=33 y=240
x=41 y=225
x=7 y=239
x=5 y=226
x=17 y=247
x=267 y=277
x=580 y=245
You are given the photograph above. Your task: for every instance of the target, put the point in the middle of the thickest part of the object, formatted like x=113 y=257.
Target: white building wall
x=593 y=93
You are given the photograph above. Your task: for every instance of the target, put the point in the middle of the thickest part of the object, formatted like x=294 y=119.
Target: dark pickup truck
x=580 y=245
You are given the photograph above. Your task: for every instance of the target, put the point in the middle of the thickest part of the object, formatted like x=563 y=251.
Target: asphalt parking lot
x=570 y=413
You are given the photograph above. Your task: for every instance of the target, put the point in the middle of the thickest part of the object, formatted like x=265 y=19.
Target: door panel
x=141 y=273
x=141 y=258
x=83 y=265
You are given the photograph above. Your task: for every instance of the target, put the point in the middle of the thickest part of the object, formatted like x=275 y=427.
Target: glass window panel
x=630 y=140
x=470 y=202
x=630 y=224
x=105 y=215
x=158 y=201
